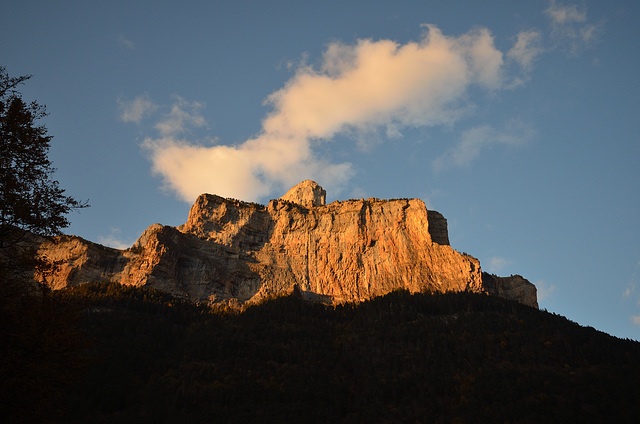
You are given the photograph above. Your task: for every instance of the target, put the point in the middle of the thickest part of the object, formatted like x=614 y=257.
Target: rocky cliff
x=236 y=252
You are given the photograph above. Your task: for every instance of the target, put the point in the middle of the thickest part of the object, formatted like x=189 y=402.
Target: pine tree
x=40 y=347
x=30 y=199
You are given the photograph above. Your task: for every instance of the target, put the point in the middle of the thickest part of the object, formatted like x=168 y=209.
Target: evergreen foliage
x=30 y=199
x=40 y=348
x=41 y=354
x=453 y=357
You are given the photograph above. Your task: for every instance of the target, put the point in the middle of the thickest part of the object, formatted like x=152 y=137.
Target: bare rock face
x=233 y=251
x=79 y=261
x=308 y=194
x=513 y=287
x=438 y=228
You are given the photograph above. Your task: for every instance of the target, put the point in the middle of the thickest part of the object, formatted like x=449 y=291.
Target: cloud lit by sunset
x=370 y=85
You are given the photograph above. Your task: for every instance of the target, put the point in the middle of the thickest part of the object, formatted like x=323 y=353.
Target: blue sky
x=515 y=119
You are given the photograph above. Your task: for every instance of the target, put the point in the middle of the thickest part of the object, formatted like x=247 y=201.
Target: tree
x=30 y=199
x=40 y=347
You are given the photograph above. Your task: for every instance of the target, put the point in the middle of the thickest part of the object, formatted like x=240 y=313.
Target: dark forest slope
x=399 y=358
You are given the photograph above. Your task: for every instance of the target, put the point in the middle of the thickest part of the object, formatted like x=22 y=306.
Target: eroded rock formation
x=513 y=287
x=233 y=251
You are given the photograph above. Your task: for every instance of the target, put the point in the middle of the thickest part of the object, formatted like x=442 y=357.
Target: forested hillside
x=399 y=358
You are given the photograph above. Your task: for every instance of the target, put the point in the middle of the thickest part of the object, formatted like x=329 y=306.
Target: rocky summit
x=237 y=252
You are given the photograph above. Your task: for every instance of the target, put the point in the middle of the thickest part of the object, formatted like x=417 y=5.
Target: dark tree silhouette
x=40 y=347
x=30 y=199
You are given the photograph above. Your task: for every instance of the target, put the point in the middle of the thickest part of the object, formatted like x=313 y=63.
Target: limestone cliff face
x=79 y=261
x=308 y=194
x=513 y=287
x=232 y=251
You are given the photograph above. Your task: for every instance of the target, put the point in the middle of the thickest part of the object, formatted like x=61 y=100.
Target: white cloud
x=562 y=15
x=358 y=193
x=183 y=115
x=114 y=240
x=570 y=28
x=497 y=263
x=474 y=140
x=126 y=42
x=370 y=87
x=526 y=49
x=136 y=109
x=630 y=290
x=246 y=171
x=544 y=290
x=381 y=84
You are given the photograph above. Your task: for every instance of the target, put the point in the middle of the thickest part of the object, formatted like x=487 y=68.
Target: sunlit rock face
x=233 y=251
x=513 y=287
x=308 y=194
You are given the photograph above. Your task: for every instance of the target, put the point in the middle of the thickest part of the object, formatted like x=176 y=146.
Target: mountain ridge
x=239 y=252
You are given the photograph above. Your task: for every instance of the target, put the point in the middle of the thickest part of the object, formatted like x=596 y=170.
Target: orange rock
x=233 y=251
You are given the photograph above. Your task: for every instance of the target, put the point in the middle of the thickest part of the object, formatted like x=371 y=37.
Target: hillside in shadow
x=453 y=357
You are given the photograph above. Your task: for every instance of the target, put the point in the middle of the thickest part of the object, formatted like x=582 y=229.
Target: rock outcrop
x=308 y=194
x=238 y=252
x=513 y=287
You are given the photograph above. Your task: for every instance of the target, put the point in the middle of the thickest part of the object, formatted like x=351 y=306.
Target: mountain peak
x=307 y=193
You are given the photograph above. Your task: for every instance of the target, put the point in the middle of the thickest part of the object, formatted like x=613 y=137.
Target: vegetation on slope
x=399 y=358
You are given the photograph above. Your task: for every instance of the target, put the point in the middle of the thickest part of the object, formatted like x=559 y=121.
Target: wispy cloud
x=570 y=27
x=545 y=291
x=135 y=110
x=476 y=139
x=497 y=263
x=565 y=14
x=183 y=116
x=114 y=240
x=126 y=42
x=357 y=90
x=526 y=49
x=630 y=292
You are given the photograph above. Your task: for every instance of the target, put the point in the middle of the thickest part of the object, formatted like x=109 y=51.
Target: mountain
x=235 y=252
x=210 y=322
